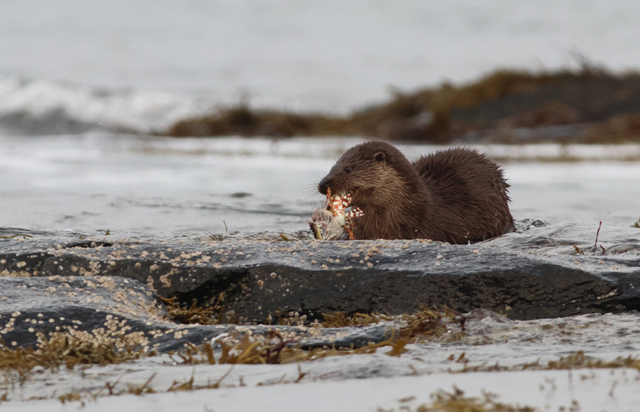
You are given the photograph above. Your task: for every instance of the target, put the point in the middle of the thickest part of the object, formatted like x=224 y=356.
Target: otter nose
x=324 y=185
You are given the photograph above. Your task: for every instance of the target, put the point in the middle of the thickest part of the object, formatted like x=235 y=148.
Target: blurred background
x=108 y=108
x=142 y=65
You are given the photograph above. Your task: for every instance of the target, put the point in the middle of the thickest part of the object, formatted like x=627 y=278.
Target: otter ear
x=379 y=157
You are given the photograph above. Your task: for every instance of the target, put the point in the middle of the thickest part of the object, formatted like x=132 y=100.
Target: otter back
x=469 y=196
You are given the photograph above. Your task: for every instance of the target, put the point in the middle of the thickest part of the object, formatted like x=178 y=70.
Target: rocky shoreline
x=55 y=282
x=590 y=105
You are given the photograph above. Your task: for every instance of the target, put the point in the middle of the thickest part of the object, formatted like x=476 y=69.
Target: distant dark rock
x=263 y=278
x=590 y=105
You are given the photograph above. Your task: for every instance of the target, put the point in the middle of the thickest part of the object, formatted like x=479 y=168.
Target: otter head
x=369 y=173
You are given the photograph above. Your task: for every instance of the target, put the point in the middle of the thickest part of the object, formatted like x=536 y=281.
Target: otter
x=456 y=195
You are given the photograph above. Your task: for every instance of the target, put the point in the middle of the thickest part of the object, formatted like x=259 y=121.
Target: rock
x=261 y=278
x=119 y=310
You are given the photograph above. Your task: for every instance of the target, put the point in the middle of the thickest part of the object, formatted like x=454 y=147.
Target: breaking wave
x=43 y=107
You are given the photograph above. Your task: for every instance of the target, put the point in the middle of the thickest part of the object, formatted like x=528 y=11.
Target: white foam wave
x=43 y=106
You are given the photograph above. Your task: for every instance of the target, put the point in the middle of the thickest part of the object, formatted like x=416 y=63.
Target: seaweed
x=16 y=236
x=275 y=349
x=194 y=314
x=69 y=350
x=244 y=121
x=456 y=401
x=604 y=107
x=578 y=360
x=621 y=128
x=575 y=360
x=110 y=387
x=272 y=349
x=69 y=397
x=423 y=322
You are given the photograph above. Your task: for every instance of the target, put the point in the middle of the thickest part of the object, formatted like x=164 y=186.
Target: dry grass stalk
x=140 y=389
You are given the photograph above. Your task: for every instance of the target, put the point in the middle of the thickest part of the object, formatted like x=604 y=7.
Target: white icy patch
x=48 y=101
x=592 y=391
x=366 y=382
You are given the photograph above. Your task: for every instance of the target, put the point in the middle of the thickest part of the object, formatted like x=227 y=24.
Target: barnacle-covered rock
x=263 y=278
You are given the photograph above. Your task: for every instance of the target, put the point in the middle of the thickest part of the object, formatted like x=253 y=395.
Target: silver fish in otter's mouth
x=332 y=221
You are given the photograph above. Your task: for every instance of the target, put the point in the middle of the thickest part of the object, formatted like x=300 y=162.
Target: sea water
x=72 y=65
x=150 y=185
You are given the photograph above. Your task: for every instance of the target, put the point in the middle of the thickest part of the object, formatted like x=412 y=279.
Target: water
x=148 y=185
x=69 y=65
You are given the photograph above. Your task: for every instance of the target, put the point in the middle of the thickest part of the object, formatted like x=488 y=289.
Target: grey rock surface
x=119 y=310
x=260 y=279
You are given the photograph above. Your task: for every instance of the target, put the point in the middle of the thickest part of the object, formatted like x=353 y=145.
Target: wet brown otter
x=456 y=195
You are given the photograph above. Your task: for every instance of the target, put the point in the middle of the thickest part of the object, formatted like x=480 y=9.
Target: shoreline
x=590 y=105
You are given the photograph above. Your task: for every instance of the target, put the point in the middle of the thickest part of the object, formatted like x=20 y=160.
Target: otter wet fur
x=455 y=195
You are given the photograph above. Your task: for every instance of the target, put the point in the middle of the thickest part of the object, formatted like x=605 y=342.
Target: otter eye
x=347 y=169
